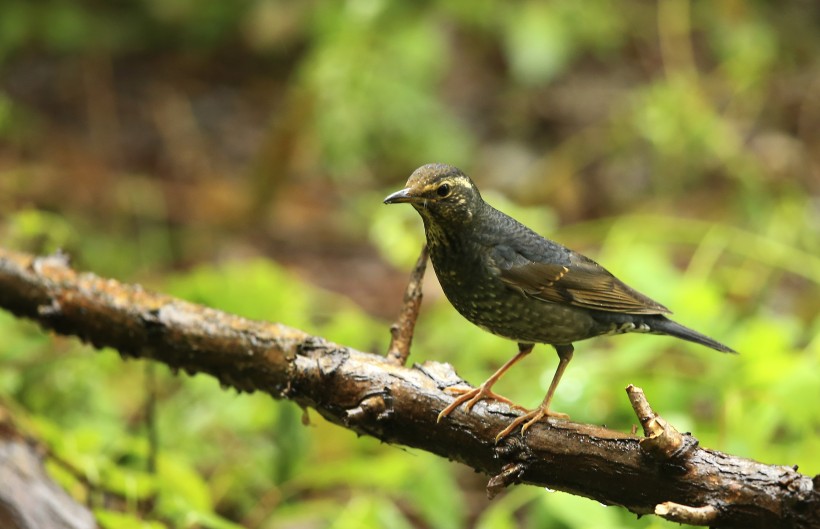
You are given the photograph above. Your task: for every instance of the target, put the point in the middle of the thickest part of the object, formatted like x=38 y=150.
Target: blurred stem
x=711 y=247
x=151 y=415
x=101 y=105
x=674 y=30
x=272 y=166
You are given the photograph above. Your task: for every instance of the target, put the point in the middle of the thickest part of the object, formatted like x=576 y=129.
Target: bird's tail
x=663 y=325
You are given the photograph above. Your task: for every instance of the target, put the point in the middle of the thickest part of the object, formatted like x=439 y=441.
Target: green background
x=236 y=154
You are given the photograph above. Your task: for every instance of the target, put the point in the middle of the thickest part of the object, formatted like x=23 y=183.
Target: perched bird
x=510 y=281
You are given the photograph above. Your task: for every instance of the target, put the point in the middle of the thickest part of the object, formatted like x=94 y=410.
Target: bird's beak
x=400 y=196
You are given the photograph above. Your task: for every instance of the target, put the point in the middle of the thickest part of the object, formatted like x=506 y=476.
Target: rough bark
x=664 y=473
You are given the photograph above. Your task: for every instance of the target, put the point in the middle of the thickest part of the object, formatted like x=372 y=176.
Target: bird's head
x=440 y=193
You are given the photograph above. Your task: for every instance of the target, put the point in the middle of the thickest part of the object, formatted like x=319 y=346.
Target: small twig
x=509 y=474
x=643 y=410
x=676 y=512
x=401 y=332
x=662 y=439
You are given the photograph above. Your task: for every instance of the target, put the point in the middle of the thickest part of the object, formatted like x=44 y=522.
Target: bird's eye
x=443 y=190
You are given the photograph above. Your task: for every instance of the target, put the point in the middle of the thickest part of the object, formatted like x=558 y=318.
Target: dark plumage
x=510 y=281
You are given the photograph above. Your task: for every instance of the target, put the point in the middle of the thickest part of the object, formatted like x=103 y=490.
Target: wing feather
x=582 y=282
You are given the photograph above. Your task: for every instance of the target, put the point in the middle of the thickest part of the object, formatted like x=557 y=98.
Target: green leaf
x=119 y=520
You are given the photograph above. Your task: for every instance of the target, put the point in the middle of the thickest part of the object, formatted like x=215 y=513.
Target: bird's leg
x=531 y=417
x=484 y=391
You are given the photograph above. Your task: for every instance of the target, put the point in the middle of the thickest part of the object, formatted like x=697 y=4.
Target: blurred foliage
x=236 y=154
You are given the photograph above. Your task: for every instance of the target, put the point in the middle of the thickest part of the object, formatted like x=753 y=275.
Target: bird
x=507 y=279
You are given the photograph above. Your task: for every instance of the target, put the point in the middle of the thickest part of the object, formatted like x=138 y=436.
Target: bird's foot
x=471 y=396
x=528 y=419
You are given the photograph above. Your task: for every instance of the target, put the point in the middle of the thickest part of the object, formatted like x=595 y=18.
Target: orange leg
x=531 y=417
x=473 y=395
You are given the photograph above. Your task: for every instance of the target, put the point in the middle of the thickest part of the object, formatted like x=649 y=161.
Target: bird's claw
x=527 y=420
x=471 y=396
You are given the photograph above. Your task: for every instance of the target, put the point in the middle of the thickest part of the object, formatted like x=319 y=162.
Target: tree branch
x=666 y=473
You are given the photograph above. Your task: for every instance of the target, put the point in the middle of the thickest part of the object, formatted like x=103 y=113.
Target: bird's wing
x=581 y=282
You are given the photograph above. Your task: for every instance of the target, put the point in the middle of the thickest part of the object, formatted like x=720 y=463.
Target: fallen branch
x=666 y=473
x=29 y=498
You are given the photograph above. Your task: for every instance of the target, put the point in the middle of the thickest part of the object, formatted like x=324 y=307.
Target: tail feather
x=663 y=325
